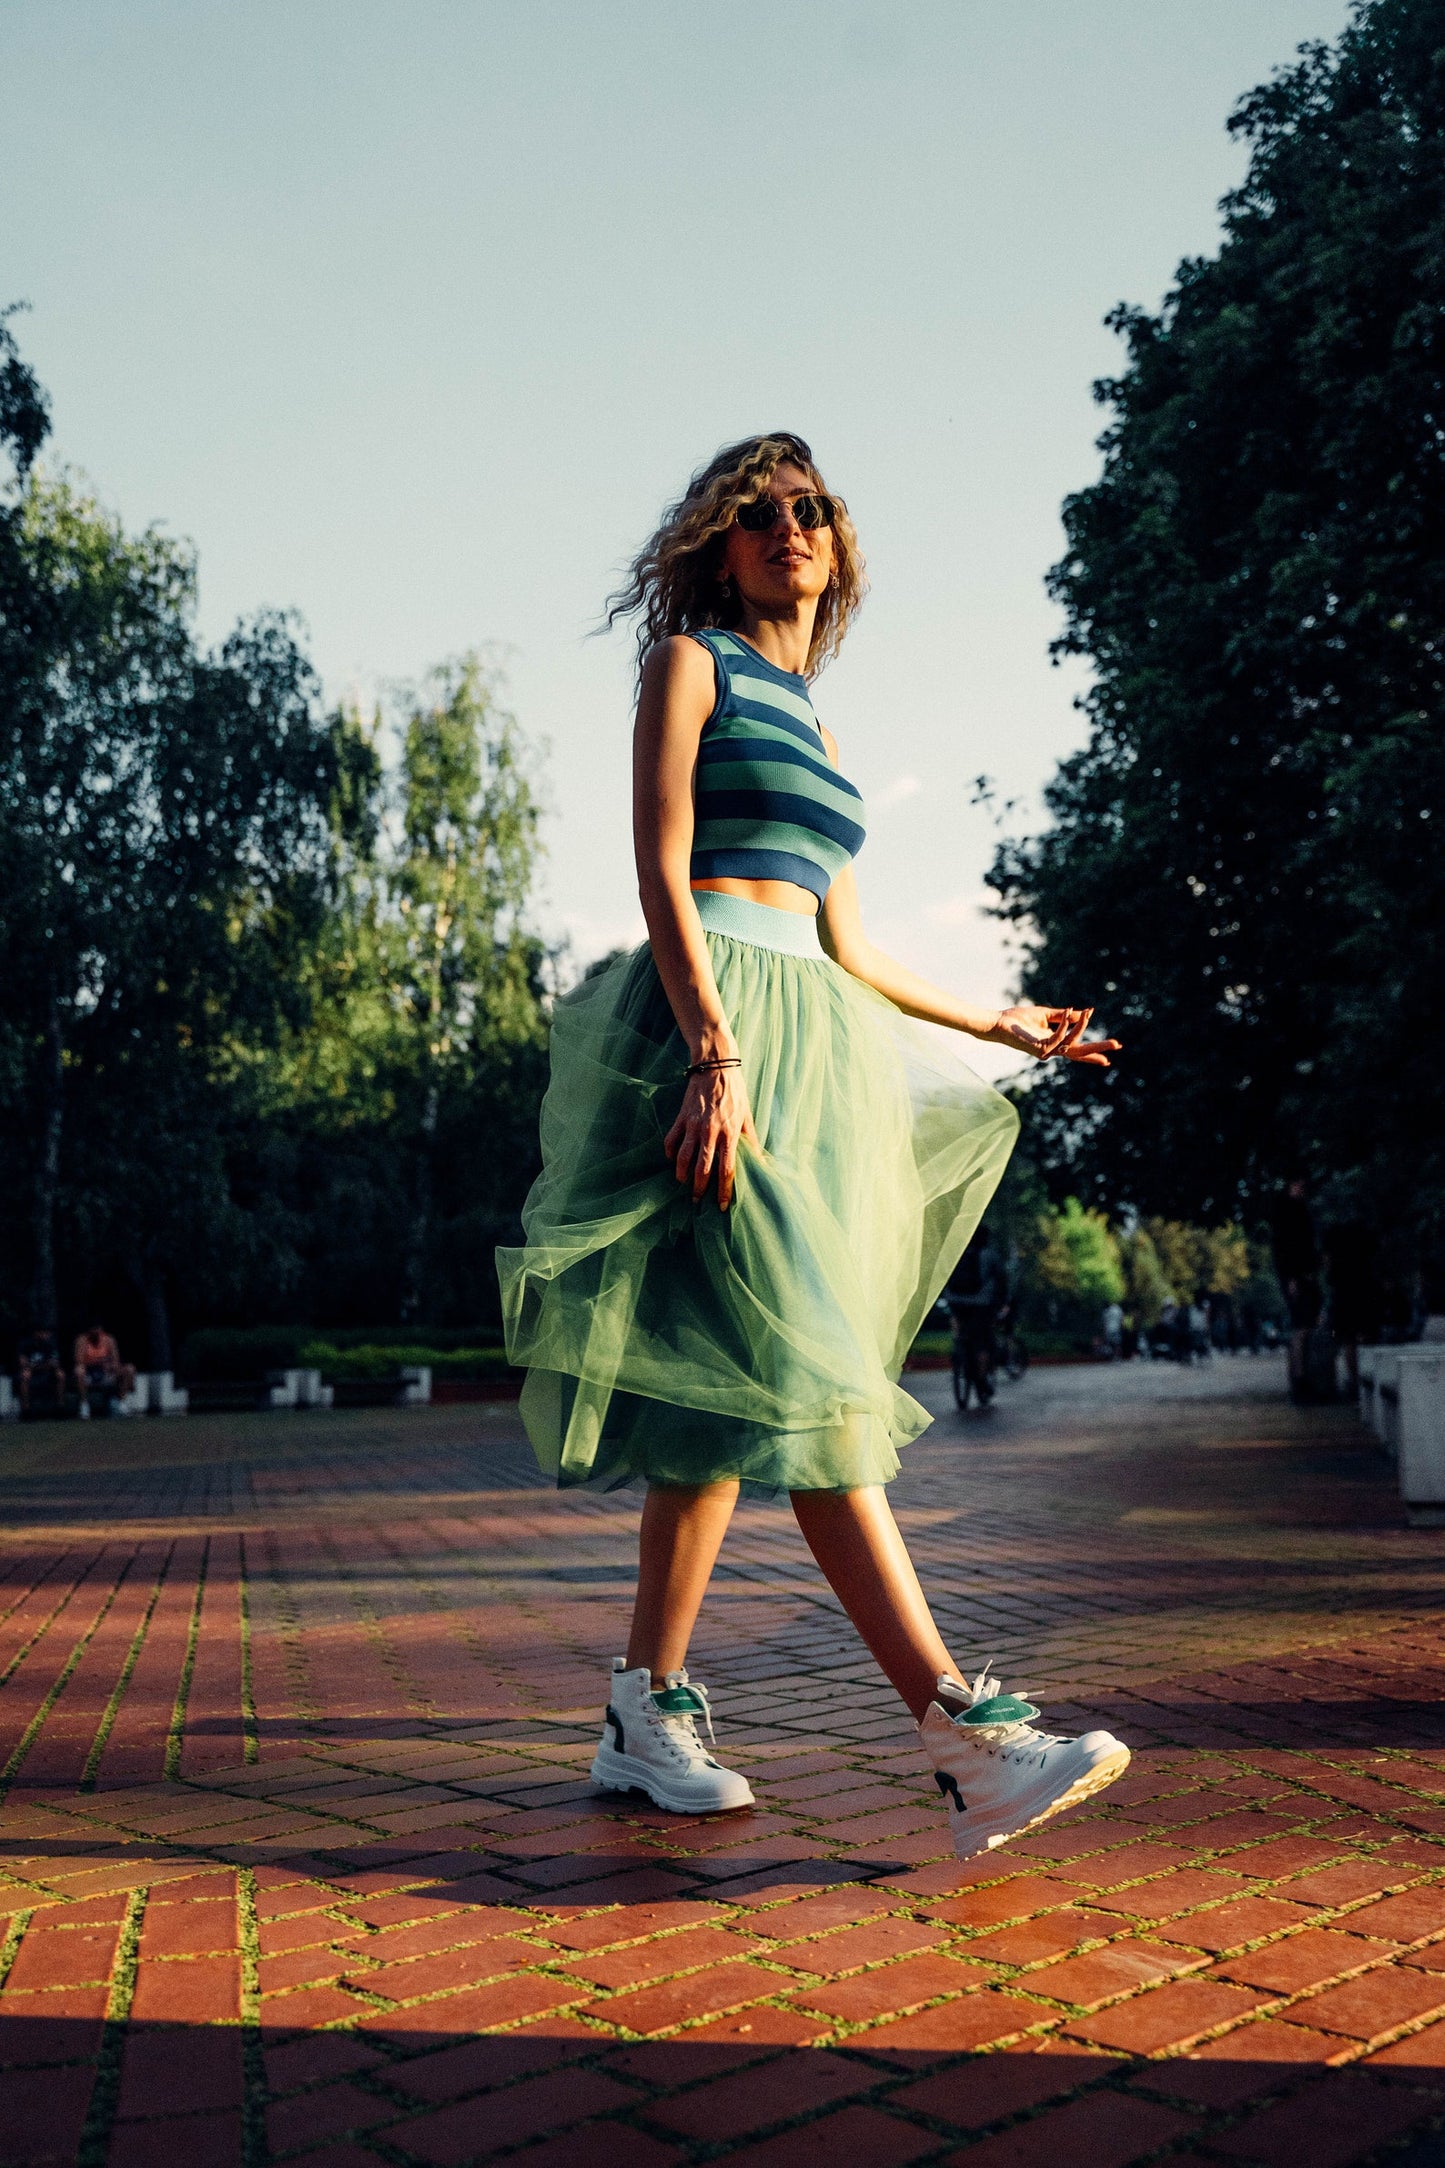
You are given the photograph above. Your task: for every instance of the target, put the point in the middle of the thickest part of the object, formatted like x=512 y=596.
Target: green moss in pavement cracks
x=174 y=1735
x=112 y=1707
x=37 y=1722
x=18 y=1923
x=105 y=2093
x=251 y=1743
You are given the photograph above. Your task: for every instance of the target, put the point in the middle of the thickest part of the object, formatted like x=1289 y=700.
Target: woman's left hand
x=1047 y=1032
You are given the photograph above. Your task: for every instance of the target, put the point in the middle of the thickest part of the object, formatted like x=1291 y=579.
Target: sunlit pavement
x=300 y=1861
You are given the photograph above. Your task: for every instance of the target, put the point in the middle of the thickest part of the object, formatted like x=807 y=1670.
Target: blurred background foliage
x=274 y=1032
x=1243 y=857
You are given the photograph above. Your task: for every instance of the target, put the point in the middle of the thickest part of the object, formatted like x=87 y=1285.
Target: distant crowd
x=96 y=1382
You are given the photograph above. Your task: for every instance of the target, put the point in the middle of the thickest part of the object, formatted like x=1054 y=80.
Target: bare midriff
x=779 y=895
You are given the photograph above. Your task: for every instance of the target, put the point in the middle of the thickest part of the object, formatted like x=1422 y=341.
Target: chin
x=795 y=588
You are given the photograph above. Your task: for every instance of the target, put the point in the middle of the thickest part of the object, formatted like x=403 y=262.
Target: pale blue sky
x=412 y=313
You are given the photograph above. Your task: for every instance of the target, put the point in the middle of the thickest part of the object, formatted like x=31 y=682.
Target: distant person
x=1297 y=1265
x=1200 y=1343
x=1181 y=1332
x=40 y=1375
x=99 y=1369
x=976 y=1295
x=1113 y=1330
x=1357 y=1295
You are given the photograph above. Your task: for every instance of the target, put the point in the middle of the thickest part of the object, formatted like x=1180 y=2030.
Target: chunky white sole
x=614 y=1772
x=968 y=1843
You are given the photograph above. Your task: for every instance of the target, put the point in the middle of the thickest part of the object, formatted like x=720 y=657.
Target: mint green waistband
x=795 y=933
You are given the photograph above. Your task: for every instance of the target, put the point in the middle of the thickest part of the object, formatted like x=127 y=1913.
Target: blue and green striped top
x=769 y=804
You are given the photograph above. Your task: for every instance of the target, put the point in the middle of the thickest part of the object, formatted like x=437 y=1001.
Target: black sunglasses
x=810 y=511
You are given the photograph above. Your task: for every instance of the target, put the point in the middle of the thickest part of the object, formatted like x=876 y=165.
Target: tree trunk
x=43 y=1303
x=413 y=1290
x=158 y=1319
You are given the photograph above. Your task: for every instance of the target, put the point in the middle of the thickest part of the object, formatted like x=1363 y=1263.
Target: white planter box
x=310 y=1392
x=163 y=1395
x=9 y=1404
x=1388 y=1386
x=1420 y=1414
x=415 y=1386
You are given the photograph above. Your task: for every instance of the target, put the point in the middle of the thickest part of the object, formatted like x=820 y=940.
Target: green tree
x=274 y=1030
x=1241 y=857
x=1147 y=1286
x=1184 y=1256
x=463 y=967
x=162 y=851
x=1080 y=1256
x=406 y=1100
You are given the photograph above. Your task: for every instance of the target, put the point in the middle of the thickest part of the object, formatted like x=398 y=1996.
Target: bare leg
x=682 y=1532
x=855 y=1540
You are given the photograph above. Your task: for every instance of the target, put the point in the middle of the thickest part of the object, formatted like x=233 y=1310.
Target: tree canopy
x=270 y=996
x=1242 y=867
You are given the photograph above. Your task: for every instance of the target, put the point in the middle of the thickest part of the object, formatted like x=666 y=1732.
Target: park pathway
x=299 y=1863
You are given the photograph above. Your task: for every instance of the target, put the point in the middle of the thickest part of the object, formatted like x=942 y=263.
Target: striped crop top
x=769 y=804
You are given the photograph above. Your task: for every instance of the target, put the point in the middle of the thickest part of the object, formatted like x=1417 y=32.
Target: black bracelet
x=721 y=1061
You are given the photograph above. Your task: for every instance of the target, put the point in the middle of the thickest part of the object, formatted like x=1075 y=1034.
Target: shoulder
x=678 y=690
x=681 y=660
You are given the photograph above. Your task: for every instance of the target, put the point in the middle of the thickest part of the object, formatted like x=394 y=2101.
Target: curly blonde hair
x=676 y=584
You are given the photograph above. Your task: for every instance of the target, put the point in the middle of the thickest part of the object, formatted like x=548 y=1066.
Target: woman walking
x=757 y=1172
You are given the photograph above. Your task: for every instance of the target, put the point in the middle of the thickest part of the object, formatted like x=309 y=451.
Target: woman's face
x=786 y=563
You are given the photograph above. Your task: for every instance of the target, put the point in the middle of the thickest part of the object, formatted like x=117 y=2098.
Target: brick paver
x=299 y=1862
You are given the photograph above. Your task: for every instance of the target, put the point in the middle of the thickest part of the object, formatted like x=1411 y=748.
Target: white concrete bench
x=299 y=1389
x=162 y=1394
x=415 y=1386
x=1420 y=1425
x=1402 y=1398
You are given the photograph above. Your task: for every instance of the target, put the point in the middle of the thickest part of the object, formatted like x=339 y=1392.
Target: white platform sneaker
x=650 y=1744
x=998 y=1775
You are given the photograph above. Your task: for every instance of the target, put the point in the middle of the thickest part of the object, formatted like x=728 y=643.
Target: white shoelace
x=681 y=1724
x=1013 y=1732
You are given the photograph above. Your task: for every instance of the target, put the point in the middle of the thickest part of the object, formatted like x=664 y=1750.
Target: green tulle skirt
x=668 y=1340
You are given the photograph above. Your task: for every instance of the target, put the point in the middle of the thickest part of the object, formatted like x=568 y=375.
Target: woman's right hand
x=704 y=1139
x=1047 y=1032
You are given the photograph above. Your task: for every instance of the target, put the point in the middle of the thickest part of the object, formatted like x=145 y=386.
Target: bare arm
x=1032 y=1029
x=676 y=700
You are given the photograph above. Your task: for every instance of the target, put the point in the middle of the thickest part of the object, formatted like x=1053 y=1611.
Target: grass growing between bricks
x=68 y=1669
x=117 y=1694
x=251 y=1744
x=105 y=2094
x=175 y=1733
x=254 y=2149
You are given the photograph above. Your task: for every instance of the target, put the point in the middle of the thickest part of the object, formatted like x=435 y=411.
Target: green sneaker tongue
x=1003 y=1709
x=678 y=1701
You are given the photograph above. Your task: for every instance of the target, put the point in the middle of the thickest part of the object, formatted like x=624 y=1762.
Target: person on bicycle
x=976 y=1293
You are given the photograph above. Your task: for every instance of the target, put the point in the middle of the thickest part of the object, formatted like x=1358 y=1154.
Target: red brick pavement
x=298 y=1859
